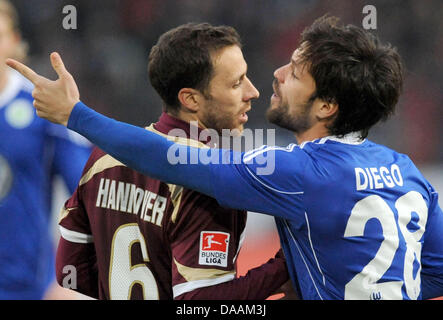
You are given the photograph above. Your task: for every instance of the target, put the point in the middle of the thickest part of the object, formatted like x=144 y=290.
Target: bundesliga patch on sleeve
x=214 y=248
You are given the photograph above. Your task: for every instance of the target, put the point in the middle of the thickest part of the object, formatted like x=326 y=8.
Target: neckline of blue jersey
x=12 y=88
x=352 y=138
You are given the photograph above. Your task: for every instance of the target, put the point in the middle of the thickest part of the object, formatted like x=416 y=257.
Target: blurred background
x=107 y=54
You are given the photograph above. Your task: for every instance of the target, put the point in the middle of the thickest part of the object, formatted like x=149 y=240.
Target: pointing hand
x=53 y=100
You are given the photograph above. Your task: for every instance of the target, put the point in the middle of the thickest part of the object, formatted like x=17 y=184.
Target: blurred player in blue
x=32 y=152
x=356 y=219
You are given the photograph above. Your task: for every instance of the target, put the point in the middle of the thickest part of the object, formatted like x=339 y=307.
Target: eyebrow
x=294 y=62
x=297 y=65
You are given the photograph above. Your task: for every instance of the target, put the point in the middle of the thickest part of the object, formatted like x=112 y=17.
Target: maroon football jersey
x=152 y=240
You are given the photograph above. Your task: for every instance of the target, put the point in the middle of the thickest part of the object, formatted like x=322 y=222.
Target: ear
x=327 y=110
x=17 y=37
x=190 y=99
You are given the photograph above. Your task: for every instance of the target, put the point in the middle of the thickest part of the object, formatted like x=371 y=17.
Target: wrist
x=73 y=114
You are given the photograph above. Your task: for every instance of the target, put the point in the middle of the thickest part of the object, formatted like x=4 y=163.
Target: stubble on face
x=218 y=119
x=296 y=119
x=223 y=106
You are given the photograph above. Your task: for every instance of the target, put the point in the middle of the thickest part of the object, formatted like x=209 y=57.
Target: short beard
x=215 y=119
x=282 y=117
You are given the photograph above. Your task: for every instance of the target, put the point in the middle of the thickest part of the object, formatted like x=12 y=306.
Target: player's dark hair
x=182 y=59
x=353 y=68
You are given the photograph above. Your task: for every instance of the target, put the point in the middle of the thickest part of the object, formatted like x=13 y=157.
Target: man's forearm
x=258 y=284
x=140 y=149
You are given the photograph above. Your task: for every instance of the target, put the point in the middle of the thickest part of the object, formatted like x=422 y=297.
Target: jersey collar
x=352 y=138
x=11 y=89
x=166 y=123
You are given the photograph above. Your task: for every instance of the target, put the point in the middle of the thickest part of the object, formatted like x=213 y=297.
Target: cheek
x=289 y=94
x=231 y=102
x=7 y=46
x=297 y=94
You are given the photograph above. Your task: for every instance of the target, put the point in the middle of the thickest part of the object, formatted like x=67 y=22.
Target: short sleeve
x=74 y=223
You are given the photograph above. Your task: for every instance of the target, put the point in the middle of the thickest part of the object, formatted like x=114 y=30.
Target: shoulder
x=98 y=162
x=195 y=204
x=278 y=169
x=274 y=158
x=193 y=210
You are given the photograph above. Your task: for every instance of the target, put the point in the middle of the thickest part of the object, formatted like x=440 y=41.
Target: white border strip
x=269 y=187
x=304 y=261
x=248 y=156
x=313 y=251
x=76 y=237
x=182 y=288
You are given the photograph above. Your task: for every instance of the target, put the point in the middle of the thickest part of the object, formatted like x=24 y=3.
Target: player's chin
x=238 y=130
x=275 y=113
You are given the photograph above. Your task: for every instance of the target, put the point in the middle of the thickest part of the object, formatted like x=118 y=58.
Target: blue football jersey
x=32 y=151
x=356 y=219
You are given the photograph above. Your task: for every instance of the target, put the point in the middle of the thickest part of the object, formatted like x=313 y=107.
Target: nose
x=251 y=91
x=279 y=74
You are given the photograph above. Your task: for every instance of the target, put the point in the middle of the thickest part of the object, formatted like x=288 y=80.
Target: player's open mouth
x=244 y=117
x=276 y=90
x=275 y=97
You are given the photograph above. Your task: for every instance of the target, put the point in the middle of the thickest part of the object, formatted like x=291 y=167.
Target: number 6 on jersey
x=122 y=274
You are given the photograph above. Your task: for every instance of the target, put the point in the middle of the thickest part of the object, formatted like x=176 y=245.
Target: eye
x=293 y=75
x=237 y=84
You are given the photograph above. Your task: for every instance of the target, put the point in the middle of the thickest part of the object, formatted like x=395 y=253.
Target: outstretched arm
x=142 y=150
x=235 y=181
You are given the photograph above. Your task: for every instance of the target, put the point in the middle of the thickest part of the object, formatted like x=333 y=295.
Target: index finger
x=24 y=70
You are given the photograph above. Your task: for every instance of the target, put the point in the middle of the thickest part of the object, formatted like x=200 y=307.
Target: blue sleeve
x=143 y=150
x=267 y=180
x=249 y=181
x=432 y=252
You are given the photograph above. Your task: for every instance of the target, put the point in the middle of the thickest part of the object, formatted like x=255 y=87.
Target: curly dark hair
x=352 y=68
x=182 y=59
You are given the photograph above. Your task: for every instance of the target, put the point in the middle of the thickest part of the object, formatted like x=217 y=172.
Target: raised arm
x=232 y=179
x=142 y=150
